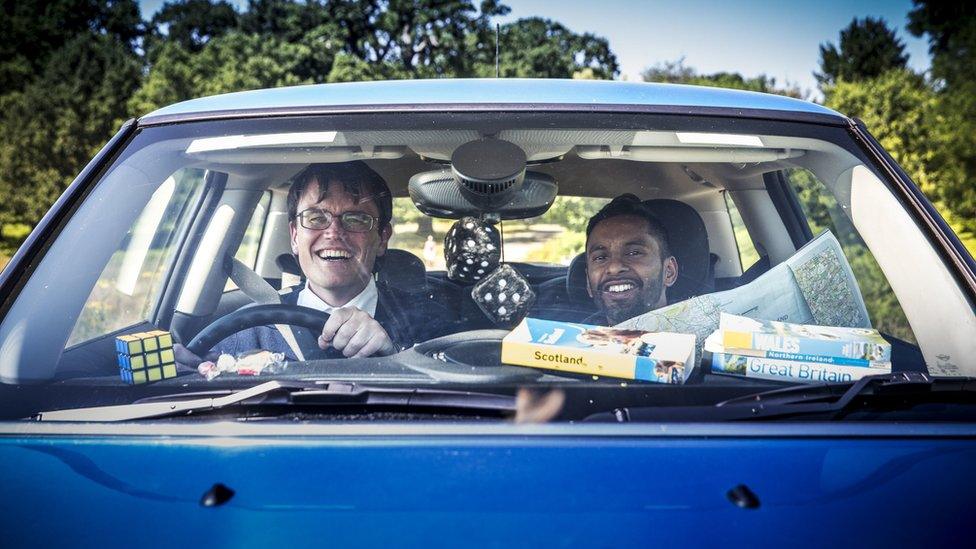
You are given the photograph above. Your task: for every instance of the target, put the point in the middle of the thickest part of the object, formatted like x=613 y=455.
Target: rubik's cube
x=146 y=357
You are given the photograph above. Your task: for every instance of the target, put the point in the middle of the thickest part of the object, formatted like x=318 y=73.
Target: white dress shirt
x=364 y=301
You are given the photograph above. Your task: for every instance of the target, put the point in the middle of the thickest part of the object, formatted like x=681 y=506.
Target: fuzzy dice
x=472 y=249
x=505 y=295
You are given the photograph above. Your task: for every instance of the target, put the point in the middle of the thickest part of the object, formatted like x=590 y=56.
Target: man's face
x=624 y=272
x=337 y=263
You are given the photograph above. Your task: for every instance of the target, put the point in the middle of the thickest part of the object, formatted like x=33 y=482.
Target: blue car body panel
x=495 y=491
x=491 y=92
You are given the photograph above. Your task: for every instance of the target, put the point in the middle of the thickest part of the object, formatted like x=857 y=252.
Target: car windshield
x=482 y=250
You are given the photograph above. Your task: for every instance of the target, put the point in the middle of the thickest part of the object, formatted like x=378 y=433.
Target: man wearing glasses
x=340 y=222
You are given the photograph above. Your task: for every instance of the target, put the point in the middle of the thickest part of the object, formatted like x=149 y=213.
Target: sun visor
x=734 y=155
x=298 y=154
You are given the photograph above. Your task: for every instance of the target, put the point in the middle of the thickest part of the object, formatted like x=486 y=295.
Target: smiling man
x=629 y=265
x=340 y=223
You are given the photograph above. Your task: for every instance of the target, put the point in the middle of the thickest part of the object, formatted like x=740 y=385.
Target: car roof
x=577 y=94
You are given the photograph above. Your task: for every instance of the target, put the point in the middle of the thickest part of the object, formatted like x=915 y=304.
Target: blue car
x=489 y=313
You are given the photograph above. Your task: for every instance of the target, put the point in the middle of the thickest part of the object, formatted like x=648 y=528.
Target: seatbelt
x=261 y=293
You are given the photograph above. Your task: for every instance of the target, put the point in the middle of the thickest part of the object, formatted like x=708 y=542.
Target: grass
x=11 y=237
x=968 y=239
x=15 y=232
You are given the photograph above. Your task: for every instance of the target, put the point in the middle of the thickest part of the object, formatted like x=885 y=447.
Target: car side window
x=130 y=283
x=748 y=255
x=247 y=252
x=822 y=213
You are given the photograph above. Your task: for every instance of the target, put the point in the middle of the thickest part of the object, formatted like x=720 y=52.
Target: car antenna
x=496 y=50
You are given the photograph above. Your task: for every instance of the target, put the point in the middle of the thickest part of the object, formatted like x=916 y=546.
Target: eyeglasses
x=354 y=222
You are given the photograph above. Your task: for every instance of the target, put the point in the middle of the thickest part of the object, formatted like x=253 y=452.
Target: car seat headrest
x=688 y=240
x=576 y=279
x=396 y=268
x=402 y=270
x=288 y=264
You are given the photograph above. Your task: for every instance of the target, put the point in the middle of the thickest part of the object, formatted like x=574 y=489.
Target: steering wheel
x=261 y=315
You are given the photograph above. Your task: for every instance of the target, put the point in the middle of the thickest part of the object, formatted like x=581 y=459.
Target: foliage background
x=71 y=71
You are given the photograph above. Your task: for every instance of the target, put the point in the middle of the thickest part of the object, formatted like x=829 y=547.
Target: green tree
x=66 y=68
x=280 y=42
x=33 y=31
x=191 y=23
x=676 y=72
x=232 y=62
x=287 y=20
x=901 y=110
x=372 y=40
x=55 y=124
x=867 y=49
x=542 y=48
x=951 y=32
x=70 y=70
x=670 y=72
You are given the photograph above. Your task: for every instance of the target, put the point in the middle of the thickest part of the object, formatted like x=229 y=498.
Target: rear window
x=553 y=238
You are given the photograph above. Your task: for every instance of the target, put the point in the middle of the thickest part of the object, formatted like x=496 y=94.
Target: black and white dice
x=472 y=249
x=505 y=295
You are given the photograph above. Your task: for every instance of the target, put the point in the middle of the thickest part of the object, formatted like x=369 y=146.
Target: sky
x=751 y=37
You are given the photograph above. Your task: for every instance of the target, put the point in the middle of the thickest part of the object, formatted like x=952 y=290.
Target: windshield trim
x=690 y=110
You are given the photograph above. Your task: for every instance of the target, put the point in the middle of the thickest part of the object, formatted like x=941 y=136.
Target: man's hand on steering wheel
x=347 y=332
x=355 y=334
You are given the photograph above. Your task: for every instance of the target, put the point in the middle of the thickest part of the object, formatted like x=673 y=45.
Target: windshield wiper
x=836 y=398
x=831 y=400
x=284 y=393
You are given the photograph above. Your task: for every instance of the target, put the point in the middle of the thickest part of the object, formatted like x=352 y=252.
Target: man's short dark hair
x=357 y=179
x=629 y=204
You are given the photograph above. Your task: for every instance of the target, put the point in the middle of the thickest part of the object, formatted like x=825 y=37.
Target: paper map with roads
x=814 y=286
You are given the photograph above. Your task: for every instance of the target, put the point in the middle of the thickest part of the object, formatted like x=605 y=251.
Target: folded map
x=814 y=286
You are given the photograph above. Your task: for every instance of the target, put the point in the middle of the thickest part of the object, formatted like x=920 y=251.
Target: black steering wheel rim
x=260 y=315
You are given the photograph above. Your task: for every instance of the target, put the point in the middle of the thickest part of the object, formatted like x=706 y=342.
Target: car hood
x=450 y=490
